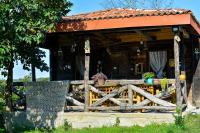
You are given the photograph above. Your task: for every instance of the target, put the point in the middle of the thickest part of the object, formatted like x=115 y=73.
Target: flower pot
x=149 y=81
x=101 y=81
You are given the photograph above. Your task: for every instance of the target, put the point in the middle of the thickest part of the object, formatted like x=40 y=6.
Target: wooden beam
x=110 y=95
x=130 y=96
x=147 y=101
x=118 y=82
x=184 y=91
x=150 y=96
x=149 y=38
x=177 y=69
x=75 y=108
x=74 y=101
x=86 y=73
x=104 y=94
x=123 y=108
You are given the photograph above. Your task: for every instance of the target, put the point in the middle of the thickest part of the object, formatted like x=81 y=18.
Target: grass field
x=192 y=125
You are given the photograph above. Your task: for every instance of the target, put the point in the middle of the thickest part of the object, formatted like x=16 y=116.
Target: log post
x=86 y=73
x=177 y=69
x=130 y=96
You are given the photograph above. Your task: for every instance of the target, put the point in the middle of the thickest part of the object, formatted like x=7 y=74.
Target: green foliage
x=67 y=125
x=117 y=122
x=23 y=25
x=2 y=130
x=2 y=101
x=149 y=75
x=163 y=83
x=179 y=119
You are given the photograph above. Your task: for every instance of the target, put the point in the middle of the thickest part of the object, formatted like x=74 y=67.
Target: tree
x=155 y=4
x=23 y=24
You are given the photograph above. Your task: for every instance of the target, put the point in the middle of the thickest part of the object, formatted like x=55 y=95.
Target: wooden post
x=177 y=70
x=86 y=73
x=130 y=96
x=33 y=73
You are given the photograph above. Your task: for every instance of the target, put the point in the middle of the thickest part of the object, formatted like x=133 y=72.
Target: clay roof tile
x=124 y=13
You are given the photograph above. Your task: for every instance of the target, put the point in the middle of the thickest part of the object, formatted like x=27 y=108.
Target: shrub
x=179 y=118
x=117 y=122
x=67 y=125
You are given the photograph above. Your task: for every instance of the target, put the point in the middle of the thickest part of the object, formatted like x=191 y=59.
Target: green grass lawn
x=192 y=125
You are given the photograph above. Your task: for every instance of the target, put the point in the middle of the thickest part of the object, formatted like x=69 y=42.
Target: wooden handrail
x=119 y=82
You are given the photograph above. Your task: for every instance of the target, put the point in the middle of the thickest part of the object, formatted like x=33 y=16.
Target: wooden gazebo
x=117 y=42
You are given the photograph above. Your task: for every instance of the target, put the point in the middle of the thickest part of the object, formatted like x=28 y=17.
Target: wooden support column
x=177 y=70
x=33 y=73
x=130 y=96
x=86 y=73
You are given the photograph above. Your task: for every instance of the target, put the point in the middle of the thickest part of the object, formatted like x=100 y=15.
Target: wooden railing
x=115 y=95
x=123 y=95
x=20 y=103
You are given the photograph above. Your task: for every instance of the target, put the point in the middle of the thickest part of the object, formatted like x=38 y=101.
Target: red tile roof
x=124 y=13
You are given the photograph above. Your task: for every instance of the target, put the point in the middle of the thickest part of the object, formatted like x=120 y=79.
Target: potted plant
x=148 y=76
x=163 y=84
x=99 y=78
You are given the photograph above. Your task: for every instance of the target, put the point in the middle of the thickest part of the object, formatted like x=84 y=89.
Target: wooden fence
x=116 y=95
x=125 y=95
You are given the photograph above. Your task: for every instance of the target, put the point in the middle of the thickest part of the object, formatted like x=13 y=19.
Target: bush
x=117 y=122
x=179 y=119
x=67 y=125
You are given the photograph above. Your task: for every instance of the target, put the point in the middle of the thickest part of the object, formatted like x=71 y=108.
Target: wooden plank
x=147 y=101
x=74 y=101
x=184 y=91
x=74 y=108
x=130 y=96
x=80 y=82
x=150 y=96
x=118 y=82
x=124 y=108
x=110 y=95
x=104 y=94
x=177 y=69
x=86 y=73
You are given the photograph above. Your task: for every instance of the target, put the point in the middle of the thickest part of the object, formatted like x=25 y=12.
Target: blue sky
x=82 y=6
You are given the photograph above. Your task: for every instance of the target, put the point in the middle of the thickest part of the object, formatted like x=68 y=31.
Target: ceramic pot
x=149 y=81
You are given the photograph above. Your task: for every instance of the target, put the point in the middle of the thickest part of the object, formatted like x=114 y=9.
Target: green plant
x=179 y=118
x=2 y=99
x=117 y=122
x=148 y=75
x=67 y=125
x=163 y=83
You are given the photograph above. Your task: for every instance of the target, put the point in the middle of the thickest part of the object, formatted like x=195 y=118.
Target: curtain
x=158 y=60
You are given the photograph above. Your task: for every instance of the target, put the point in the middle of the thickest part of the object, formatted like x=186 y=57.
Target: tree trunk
x=8 y=98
